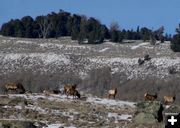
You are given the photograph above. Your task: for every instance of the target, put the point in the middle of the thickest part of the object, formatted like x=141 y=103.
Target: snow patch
x=58 y=126
x=54 y=125
x=139 y=45
x=25 y=42
x=47 y=58
x=51 y=45
x=110 y=102
x=120 y=116
x=103 y=50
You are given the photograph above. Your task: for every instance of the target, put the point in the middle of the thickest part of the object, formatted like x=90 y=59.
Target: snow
x=51 y=45
x=38 y=109
x=44 y=61
x=54 y=125
x=103 y=50
x=110 y=61
x=25 y=42
x=139 y=45
x=18 y=107
x=110 y=43
x=131 y=68
x=59 y=98
x=167 y=106
x=120 y=116
x=58 y=126
x=110 y=102
x=53 y=55
x=6 y=106
x=47 y=58
x=114 y=70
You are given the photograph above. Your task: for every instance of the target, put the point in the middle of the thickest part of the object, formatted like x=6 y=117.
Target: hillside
x=56 y=111
x=50 y=63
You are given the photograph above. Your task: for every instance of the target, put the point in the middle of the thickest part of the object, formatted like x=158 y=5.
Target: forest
x=82 y=28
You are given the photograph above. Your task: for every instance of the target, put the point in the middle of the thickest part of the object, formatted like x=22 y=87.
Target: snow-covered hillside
x=63 y=55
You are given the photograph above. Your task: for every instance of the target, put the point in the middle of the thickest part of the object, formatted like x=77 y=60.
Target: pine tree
x=175 y=43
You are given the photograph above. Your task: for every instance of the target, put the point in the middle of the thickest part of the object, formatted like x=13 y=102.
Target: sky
x=127 y=13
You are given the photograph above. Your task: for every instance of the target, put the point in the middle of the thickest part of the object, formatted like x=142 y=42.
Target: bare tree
x=114 y=26
x=159 y=34
x=152 y=39
x=45 y=26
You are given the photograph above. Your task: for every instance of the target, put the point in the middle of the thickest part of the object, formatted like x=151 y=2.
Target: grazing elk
x=149 y=97
x=68 y=87
x=169 y=99
x=73 y=92
x=112 y=93
x=15 y=87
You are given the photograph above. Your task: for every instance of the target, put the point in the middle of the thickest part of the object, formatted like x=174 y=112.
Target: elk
x=112 y=93
x=68 y=87
x=73 y=93
x=15 y=87
x=149 y=97
x=169 y=99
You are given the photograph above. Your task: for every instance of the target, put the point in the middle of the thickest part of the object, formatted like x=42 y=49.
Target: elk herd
x=70 y=90
x=166 y=99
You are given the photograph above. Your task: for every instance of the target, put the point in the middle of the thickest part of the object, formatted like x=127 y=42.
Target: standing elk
x=73 y=93
x=149 y=97
x=169 y=99
x=112 y=93
x=15 y=87
x=68 y=87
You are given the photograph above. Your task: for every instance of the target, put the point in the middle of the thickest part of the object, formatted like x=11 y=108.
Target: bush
x=146 y=57
x=172 y=70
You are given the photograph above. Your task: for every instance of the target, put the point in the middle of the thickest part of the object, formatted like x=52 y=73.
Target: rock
x=151 y=111
x=140 y=61
x=146 y=57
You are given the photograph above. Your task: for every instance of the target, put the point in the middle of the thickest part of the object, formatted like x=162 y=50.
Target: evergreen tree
x=83 y=30
x=76 y=21
x=175 y=43
x=145 y=33
x=19 y=30
x=28 y=22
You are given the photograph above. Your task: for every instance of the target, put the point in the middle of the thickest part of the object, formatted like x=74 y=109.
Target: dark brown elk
x=169 y=99
x=73 y=92
x=112 y=93
x=150 y=97
x=68 y=87
x=15 y=87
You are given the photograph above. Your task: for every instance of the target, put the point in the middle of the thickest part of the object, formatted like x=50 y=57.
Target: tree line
x=79 y=27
